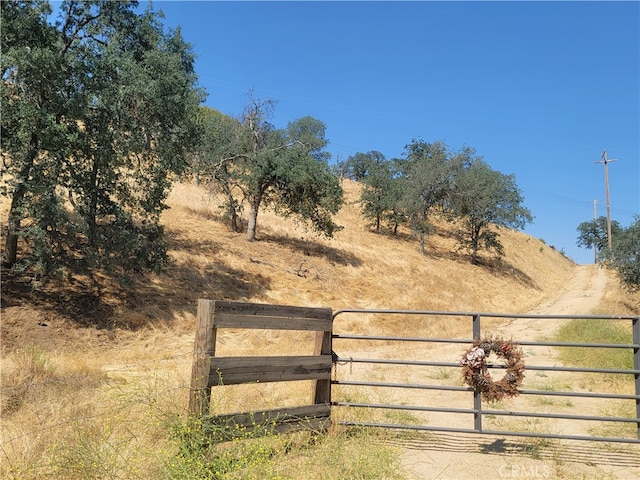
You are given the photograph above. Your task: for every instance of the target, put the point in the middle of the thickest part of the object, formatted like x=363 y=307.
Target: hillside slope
x=357 y=268
x=82 y=355
x=287 y=265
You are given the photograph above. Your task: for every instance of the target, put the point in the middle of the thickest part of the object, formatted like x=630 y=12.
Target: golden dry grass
x=357 y=269
x=619 y=300
x=92 y=369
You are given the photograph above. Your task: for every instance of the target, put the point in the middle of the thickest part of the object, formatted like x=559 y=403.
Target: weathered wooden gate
x=210 y=371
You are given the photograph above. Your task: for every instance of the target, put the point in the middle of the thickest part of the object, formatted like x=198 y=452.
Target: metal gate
x=399 y=390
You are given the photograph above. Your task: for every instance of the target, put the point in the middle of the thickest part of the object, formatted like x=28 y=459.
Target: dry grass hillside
x=93 y=368
x=288 y=265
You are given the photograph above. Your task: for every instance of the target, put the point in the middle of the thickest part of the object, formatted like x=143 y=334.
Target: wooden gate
x=209 y=371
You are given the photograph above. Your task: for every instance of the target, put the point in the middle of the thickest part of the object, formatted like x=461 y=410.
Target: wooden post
x=203 y=350
x=322 y=390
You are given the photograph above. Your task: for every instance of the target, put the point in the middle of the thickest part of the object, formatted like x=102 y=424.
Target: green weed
x=596 y=331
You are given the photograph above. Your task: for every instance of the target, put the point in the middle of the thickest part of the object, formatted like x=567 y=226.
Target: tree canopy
x=593 y=234
x=99 y=110
x=287 y=169
x=426 y=183
x=624 y=256
x=483 y=198
x=381 y=189
x=430 y=180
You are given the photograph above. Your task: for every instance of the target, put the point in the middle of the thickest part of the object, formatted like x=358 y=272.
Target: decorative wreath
x=476 y=374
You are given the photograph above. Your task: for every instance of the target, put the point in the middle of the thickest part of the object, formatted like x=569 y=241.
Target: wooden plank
x=312 y=424
x=236 y=370
x=278 y=415
x=267 y=310
x=225 y=320
x=264 y=316
x=283 y=420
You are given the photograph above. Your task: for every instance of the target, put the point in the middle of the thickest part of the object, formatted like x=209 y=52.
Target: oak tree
x=381 y=191
x=593 y=234
x=99 y=111
x=426 y=184
x=286 y=170
x=483 y=200
x=624 y=256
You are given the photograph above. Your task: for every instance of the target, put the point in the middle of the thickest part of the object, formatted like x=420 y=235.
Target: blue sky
x=539 y=89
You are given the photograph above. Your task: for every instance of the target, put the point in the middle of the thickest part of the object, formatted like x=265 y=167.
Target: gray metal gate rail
x=477 y=410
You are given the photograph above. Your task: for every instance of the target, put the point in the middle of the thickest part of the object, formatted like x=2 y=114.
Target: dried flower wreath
x=477 y=376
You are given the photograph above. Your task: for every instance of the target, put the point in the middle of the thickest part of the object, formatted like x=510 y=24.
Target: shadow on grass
x=133 y=301
x=501 y=268
x=71 y=300
x=497 y=266
x=312 y=248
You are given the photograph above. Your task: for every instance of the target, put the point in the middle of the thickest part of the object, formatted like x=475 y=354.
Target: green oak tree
x=624 y=256
x=284 y=169
x=381 y=192
x=358 y=166
x=593 y=234
x=426 y=173
x=32 y=122
x=483 y=199
x=99 y=110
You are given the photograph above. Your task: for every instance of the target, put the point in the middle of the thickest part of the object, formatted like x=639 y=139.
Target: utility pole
x=595 y=220
x=606 y=162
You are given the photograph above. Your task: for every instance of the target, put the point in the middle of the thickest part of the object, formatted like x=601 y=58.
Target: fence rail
x=209 y=371
x=477 y=410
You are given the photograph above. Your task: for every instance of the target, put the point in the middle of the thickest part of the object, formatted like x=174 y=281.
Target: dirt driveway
x=459 y=456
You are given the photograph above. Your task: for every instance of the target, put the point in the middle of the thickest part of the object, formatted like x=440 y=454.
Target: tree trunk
x=92 y=213
x=475 y=236
x=252 y=221
x=15 y=217
x=11 y=242
x=235 y=220
x=196 y=171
